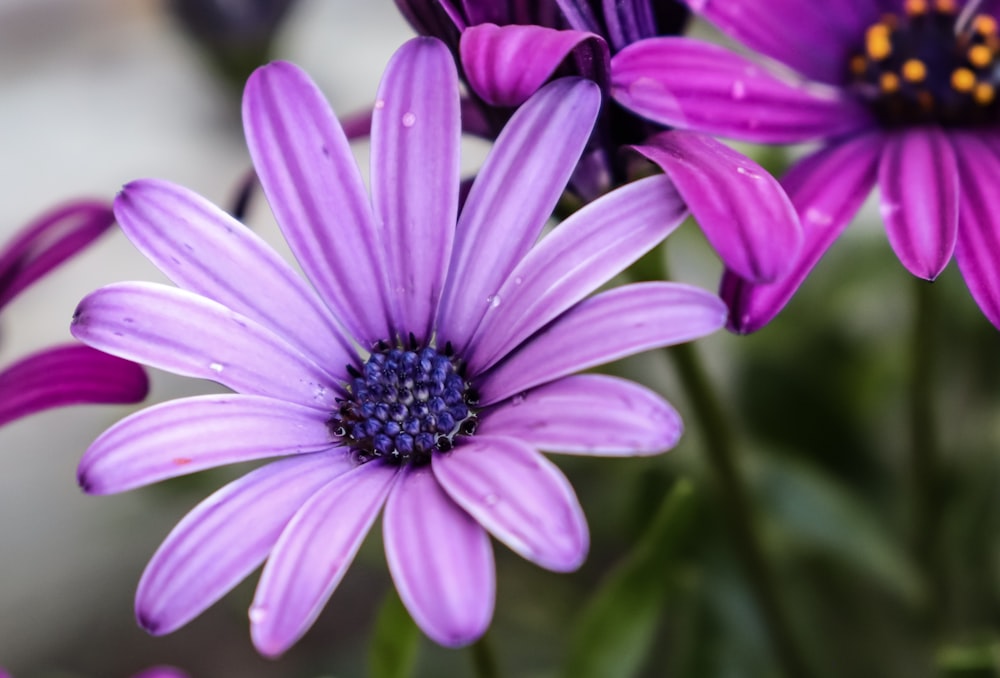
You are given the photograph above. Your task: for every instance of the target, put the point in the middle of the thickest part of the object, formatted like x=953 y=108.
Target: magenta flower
x=901 y=94
x=422 y=374
x=69 y=374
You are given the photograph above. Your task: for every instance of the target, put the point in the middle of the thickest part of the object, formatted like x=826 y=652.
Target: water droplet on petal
x=495 y=301
x=409 y=119
x=258 y=613
x=491 y=500
x=739 y=90
x=217 y=367
x=818 y=217
x=518 y=280
x=380 y=103
x=518 y=399
x=747 y=172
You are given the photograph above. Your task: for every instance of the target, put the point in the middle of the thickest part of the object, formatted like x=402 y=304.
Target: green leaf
x=395 y=641
x=616 y=629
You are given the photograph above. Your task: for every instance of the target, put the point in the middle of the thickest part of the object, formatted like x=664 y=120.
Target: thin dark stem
x=484 y=660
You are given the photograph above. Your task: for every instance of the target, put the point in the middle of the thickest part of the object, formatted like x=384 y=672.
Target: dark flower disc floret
x=930 y=64
x=405 y=403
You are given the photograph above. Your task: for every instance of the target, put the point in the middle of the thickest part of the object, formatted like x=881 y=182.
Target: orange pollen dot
x=980 y=56
x=963 y=80
x=889 y=82
x=985 y=24
x=946 y=6
x=877 y=41
x=914 y=70
x=984 y=94
x=914 y=7
x=858 y=65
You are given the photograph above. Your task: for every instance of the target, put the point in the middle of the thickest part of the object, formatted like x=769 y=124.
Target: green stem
x=484 y=660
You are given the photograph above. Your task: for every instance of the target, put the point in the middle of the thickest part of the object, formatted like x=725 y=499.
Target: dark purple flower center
x=404 y=404
x=931 y=64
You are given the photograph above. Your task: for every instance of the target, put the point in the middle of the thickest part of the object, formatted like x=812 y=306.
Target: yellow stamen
x=889 y=82
x=984 y=24
x=877 y=41
x=963 y=80
x=984 y=94
x=980 y=56
x=915 y=7
x=914 y=70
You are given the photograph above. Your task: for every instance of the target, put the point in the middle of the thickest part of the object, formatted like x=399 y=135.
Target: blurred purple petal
x=588 y=249
x=611 y=325
x=827 y=189
x=918 y=181
x=204 y=250
x=68 y=375
x=521 y=497
x=695 y=85
x=313 y=554
x=415 y=175
x=588 y=414
x=179 y=331
x=314 y=187
x=183 y=436
x=512 y=197
x=161 y=672
x=979 y=221
x=226 y=537
x=743 y=210
x=440 y=558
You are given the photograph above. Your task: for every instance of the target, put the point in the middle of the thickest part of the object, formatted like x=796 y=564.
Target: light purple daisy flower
x=420 y=377
x=68 y=374
x=901 y=93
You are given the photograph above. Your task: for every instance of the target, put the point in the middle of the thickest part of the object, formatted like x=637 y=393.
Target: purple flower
x=901 y=94
x=68 y=374
x=422 y=374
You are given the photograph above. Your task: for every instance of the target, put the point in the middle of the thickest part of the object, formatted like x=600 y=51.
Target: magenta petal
x=226 y=537
x=589 y=414
x=588 y=249
x=315 y=190
x=513 y=196
x=204 y=250
x=918 y=178
x=416 y=133
x=183 y=436
x=68 y=375
x=192 y=336
x=694 y=85
x=505 y=65
x=611 y=325
x=440 y=559
x=827 y=189
x=313 y=554
x=521 y=497
x=743 y=210
x=49 y=241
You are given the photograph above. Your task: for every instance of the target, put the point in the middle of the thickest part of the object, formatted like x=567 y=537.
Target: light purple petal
x=507 y=64
x=204 y=250
x=918 y=180
x=588 y=249
x=440 y=559
x=315 y=190
x=416 y=133
x=521 y=497
x=226 y=537
x=979 y=221
x=512 y=197
x=813 y=38
x=611 y=325
x=189 y=335
x=590 y=414
x=313 y=554
x=694 y=85
x=827 y=189
x=743 y=210
x=183 y=436
x=68 y=375
x=48 y=241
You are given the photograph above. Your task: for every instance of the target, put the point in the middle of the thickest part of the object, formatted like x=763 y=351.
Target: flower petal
x=918 y=178
x=315 y=190
x=440 y=559
x=743 y=210
x=512 y=197
x=192 y=336
x=49 y=241
x=68 y=375
x=313 y=554
x=694 y=85
x=226 y=537
x=827 y=189
x=187 y=435
x=204 y=250
x=416 y=133
x=505 y=65
x=521 y=497
x=611 y=325
x=591 y=414
x=588 y=249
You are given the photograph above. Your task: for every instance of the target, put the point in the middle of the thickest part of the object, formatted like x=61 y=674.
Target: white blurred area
x=94 y=93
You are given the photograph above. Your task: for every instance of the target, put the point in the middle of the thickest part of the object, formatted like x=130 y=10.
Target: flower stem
x=484 y=659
